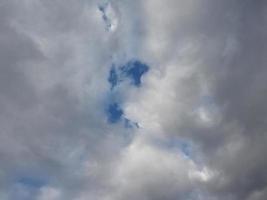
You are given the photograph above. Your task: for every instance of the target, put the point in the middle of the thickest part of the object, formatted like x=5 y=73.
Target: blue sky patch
x=113 y=78
x=31 y=182
x=135 y=70
x=108 y=15
x=129 y=124
x=102 y=9
x=183 y=146
x=114 y=113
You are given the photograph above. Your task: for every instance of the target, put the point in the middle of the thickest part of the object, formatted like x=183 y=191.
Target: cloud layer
x=121 y=99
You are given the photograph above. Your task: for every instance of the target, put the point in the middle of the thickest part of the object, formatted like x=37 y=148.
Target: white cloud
x=48 y=193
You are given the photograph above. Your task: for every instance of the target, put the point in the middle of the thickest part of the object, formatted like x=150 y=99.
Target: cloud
x=184 y=81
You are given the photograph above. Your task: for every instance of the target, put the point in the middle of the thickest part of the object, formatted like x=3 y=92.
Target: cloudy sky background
x=76 y=124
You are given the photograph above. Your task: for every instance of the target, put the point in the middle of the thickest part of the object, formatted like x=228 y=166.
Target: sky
x=127 y=100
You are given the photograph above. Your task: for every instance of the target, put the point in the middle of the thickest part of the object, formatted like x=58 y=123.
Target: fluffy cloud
x=192 y=128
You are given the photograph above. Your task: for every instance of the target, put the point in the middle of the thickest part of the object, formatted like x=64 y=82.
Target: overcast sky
x=133 y=99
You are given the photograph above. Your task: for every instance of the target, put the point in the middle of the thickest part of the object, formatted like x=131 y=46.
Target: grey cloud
x=237 y=83
x=47 y=130
x=228 y=59
x=206 y=85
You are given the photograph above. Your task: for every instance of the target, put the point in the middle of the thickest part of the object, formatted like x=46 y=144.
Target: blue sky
x=133 y=70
